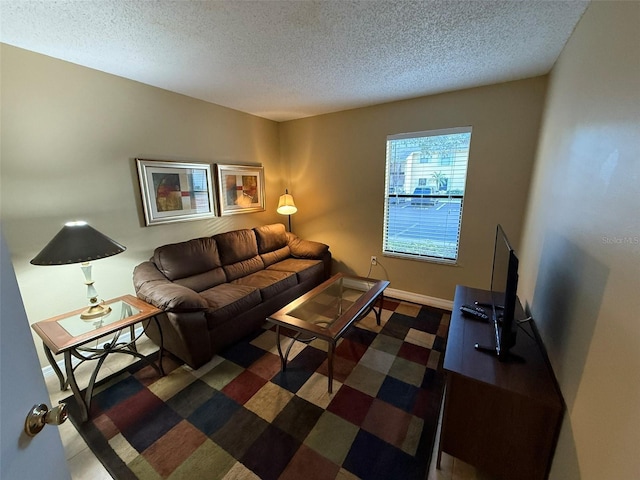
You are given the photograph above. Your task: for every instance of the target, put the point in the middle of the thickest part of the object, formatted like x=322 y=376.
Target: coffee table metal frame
x=56 y=339
x=331 y=332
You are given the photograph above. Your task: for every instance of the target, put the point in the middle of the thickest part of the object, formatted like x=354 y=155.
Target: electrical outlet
x=374 y=260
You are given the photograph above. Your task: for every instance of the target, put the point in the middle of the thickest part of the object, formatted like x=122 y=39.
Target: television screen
x=504 y=285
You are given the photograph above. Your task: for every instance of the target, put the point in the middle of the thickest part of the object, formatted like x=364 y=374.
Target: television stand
x=493 y=351
x=502 y=417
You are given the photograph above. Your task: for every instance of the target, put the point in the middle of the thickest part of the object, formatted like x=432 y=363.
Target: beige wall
x=337 y=164
x=69 y=138
x=580 y=262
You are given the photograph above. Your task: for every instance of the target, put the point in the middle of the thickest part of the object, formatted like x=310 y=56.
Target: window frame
x=430 y=256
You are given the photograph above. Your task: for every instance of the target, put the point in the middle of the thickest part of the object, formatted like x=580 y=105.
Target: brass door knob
x=40 y=415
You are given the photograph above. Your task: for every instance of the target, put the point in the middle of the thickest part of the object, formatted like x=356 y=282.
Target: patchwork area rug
x=240 y=417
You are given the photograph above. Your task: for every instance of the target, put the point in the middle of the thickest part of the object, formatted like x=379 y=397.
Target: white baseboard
x=420 y=299
x=389 y=292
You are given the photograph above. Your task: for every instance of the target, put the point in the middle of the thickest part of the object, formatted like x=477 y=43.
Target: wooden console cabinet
x=502 y=417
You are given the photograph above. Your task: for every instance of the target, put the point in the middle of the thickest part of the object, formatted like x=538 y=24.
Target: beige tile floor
x=83 y=465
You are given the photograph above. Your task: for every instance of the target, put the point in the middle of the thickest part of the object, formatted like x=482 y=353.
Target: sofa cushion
x=303 y=268
x=306 y=248
x=227 y=301
x=186 y=259
x=269 y=282
x=269 y=258
x=236 y=246
x=244 y=268
x=270 y=237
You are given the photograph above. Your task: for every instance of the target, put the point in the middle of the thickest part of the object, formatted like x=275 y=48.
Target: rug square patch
x=434 y=360
x=222 y=374
x=292 y=379
x=422 y=339
x=370 y=323
x=167 y=386
x=372 y=458
x=267 y=366
x=377 y=360
x=398 y=393
x=366 y=380
x=239 y=433
x=351 y=404
x=104 y=424
x=428 y=321
x=387 y=422
x=206 y=368
x=244 y=386
x=350 y=350
x=298 y=418
x=414 y=433
x=242 y=353
x=270 y=453
x=309 y=359
x=307 y=463
x=174 y=448
x=269 y=401
x=387 y=344
x=122 y=388
x=214 y=413
x=408 y=309
x=240 y=472
x=397 y=326
x=148 y=375
x=266 y=341
x=140 y=468
x=407 y=371
x=149 y=426
x=316 y=390
x=123 y=449
x=129 y=410
x=208 y=461
x=360 y=335
x=331 y=437
x=414 y=352
x=190 y=398
x=342 y=368
x=389 y=304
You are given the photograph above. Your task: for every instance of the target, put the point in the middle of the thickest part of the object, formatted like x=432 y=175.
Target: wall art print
x=175 y=191
x=240 y=189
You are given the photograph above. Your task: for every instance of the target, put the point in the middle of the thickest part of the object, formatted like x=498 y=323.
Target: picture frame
x=240 y=189
x=175 y=191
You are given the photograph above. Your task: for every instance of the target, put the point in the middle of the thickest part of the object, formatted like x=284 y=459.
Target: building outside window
x=423 y=205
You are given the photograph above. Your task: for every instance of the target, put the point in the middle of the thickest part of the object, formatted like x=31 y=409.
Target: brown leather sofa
x=216 y=290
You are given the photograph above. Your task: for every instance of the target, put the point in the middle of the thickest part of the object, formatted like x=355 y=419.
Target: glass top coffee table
x=327 y=312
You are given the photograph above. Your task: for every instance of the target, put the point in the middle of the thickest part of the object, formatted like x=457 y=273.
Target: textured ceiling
x=291 y=59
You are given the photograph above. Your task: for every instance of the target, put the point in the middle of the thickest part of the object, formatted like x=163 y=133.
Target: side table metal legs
x=84 y=354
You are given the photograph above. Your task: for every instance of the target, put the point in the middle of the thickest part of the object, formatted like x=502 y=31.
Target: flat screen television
x=504 y=285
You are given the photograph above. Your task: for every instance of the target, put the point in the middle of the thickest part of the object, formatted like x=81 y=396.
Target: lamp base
x=95 y=311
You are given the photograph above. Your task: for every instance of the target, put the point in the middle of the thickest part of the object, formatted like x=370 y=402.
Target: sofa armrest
x=154 y=288
x=306 y=248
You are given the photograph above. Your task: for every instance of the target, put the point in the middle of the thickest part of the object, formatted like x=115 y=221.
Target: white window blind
x=426 y=173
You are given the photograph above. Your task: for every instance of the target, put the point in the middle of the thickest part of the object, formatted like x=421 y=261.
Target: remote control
x=476 y=312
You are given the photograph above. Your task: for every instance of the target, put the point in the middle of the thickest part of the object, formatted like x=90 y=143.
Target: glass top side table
x=70 y=335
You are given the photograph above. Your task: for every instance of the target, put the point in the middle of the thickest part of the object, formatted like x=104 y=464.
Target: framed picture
x=240 y=189
x=174 y=191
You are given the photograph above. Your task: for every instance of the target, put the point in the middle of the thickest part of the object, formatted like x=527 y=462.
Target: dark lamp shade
x=77 y=242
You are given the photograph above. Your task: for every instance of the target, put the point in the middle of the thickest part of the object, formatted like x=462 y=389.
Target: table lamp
x=78 y=242
x=286 y=206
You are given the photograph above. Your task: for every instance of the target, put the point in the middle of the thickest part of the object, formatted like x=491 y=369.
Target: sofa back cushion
x=194 y=264
x=272 y=243
x=238 y=253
